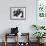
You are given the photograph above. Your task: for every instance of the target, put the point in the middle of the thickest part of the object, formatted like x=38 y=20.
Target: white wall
x=24 y=25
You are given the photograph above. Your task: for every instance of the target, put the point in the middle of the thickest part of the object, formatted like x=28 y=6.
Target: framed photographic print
x=41 y=8
x=41 y=12
x=18 y=13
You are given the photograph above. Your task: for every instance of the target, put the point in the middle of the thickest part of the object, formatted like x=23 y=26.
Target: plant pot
x=40 y=41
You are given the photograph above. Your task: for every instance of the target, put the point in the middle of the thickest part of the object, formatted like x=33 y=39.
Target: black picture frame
x=17 y=13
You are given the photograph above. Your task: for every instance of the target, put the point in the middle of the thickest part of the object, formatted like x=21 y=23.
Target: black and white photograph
x=18 y=13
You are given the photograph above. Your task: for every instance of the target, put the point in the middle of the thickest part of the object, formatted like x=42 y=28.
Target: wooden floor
x=13 y=44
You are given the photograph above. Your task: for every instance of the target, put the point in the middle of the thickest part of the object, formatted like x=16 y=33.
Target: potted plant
x=39 y=35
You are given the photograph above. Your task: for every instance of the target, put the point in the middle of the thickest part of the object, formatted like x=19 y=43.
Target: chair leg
x=5 y=43
x=5 y=40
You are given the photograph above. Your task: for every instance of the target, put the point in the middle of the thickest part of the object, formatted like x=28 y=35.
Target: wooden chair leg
x=17 y=39
x=5 y=43
x=5 y=39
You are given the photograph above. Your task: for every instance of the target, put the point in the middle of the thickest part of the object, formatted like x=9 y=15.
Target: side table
x=8 y=34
